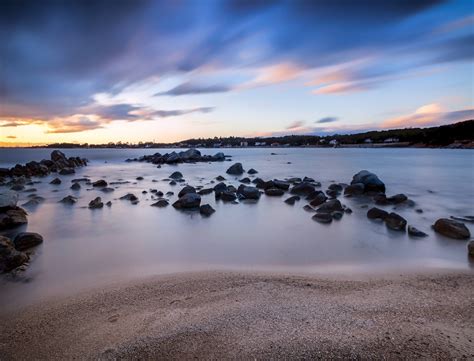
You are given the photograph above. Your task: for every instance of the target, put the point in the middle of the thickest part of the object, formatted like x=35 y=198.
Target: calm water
x=87 y=248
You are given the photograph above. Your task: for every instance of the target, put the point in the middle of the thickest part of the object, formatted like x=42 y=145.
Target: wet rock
x=169 y=194
x=99 y=183
x=274 y=192
x=245 y=180
x=206 y=210
x=380 y=199
x=395 y=222
x=397 y=199
x=294 y=180
x=370 y=181
x=322 y=217
x=13 y=217
x=318 y=199
x=376 y=213
x=451 y=228
x=205 y=191
x=57 y=156
x=17 y=187
x=107 y=189
x=30 y=190
x=228 y=196
x=139 y=178
x=186 y=189
x=248 y=192
x=218 y=157
x=220 y=178
x=219 y=188
x=31 y=203
x=130 y=197
x=8 y=200
x=96 y=203
x=308 y=180
x=259 y=183
x=292 y=200
x=415 y=232
x=354 y=189
x=78 y=180
x=176 y=175
x=67 y=171
x=302 y=189
x=281 y=184
x=469 y=219
x=27 y=240
x=160 y=203
x=330 y=206
x=68 y=200
x=55 y=181
x=308 y=208
x=235 y=169
x=335 y=187
x=337 y=215
x=10 y=258
x=470 y=248
x=109 y=204
x=76 y=186
x=331 y=193
x=252 y=171
x=188 y=201
x=172 y=183
x=419 y=210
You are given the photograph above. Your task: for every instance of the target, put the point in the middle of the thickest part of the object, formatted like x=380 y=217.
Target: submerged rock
x=176 y=175
x=96 y=203
x=302 y=189
x=415 y=232
x=322 y=217
x=274 y=192
x=252 y=171
x=330 y=206
x=13 y=217
x=376 y=213
x=76 y=186
x=318 y=199
x=206 y=210
x=10 y=258
x=371 y=182
x=26 y=240
x=55 y=181
x=160 y=203
x=395 y=222
x=68 y=200
x=292 y=200
x=235 y=169
x=248 y=192
x=354 y=189
x=99 y=183
x=451 y=228
x=130 y=197
x=67 y=171
x=228 y=196
x=186 y=189
x=188 y=201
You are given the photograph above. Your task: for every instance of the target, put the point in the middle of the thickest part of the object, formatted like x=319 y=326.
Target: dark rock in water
x=205 y=191
x=26 y=240
x=248 y=192
x=231 y=188
x=331 y=193
x=67 y=171
x=30 y=190
x=235 y=169
x=17 y=187
x=228 y=196
x=219 y=188
x=469 y=219
x=32 y=203
x=10 y=258
x=96 y=203
x=337 y=215
x=169 y=194
x=139 y=178
x=274 y=192
x=259 y=183
x=107 y=189
x=186 y=189
x=8 y=200
x=451 y=228
x=55 y=181
x=252 y=171
x=308 y=180
x=172 y=183
x=12 y=217
x=294 y=180
x=245 y=180
x=99 y=183
x=77 y=180
x=206 y=210
x=68 y=200
x=57 y=156
x=348 y=210
x=322 y=217
x=176 y=175
x=397 y=199
x=188 y=201
x=281 y=184
x=319 y=199
x=419 y=210
x=313 y=195
x=160 y=203
x=376 y=213
x=220 y=178
x=302 y=189
x=380 y=199
x=109 y=204
x=129 y=197
x=330 y=206
x=415 y=232
x=370 y=181
x=470 y=248
x=396 y=222
x=354 y=189
x=335 y=187
x=76 y=186
x=308 y=208
x=292 y=200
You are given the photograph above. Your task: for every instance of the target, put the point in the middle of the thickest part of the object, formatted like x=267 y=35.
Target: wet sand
x=216 y=315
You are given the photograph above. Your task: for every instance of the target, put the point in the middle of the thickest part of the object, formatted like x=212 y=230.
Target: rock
x=206 y=210
x=228 y=196
x=96 y=203
x=160 y=203
x=219 y=188
x=8 y=200
x=337 y=215
x=292 y=200
x=308 y=180
x=451 y=228
x=252 y=171
x=130 y=197
x=354 y=189
x=107 y=189
x=322 y=217
x=99 y=183
x=370 y=181
x=319 y=199
x=415 y=232
x=68 y=200
x=376 y=213
x=330 y=206
x=57 y=156
x=176 y=175
x=470 y=248
x=109 y=204
x=172 y=183
x=205 y=191
x=395 y=222
x=380 y=199
x=76 y=186
x=55 y=181
x=248 y=192
x=335 y=187
x=191 y=154
x=17 y=187
x=26 y=240
x=245 y=180
x=220 y=178
x=274 y=192
x=218 y=157
x=281 y=184
x=12 y=218
x=294 y=180
x=259 y=183
x=397 y=199
x=10 y=258
x=188 y=201
x=78 y=180
x=302 y=189
x=332 y=193
x=186 y=189
x=67 y=171
x=139 y=178
x=235 y=169
x=308 y=208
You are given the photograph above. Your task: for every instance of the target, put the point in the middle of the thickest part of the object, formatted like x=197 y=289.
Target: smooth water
x=87 y=248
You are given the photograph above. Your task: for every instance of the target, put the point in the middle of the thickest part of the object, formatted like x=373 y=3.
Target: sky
x=98 y=71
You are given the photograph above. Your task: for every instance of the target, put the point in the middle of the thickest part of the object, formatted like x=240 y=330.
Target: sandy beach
x=217 y=315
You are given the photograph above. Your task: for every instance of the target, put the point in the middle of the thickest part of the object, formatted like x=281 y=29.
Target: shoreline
x=252 y=315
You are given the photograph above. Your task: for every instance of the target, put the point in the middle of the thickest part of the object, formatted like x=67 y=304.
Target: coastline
x=252 y=315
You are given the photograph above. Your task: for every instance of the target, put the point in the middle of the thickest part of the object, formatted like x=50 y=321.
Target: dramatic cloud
x=327 y=120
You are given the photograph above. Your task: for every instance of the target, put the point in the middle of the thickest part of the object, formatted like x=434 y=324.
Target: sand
x=218 y=315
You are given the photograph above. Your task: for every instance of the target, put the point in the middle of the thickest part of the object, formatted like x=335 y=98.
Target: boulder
x=337 y=215
x=160 y=203
x=99 y=183
x=245 y=180
x=470 y=248
x=218 y=157
x=395 y=222
x=248 y=192
x=219 y=188
x=12 y=218
x=451 y=228
x=68 y=200
x=376 y=213
x=67 y=171
x=8 y=200
x=397 y=199
x=220 y=178
x=308 y=208
x=322 y=217
x=319 y=199
x=205 y=191
x=107 y=189
x=176 y=175
x=55 y=181
x=252 y=171
x=188 y=201
x=354 y=189
x=130 y=197
x=371 y=182
x=96 y=203
x=186 y=189
x=191 y=154
x=235 y=169
x=302 y=189
x=331 y=193
x=281 y=184
x=58 y=156
x=330 y=206
x=206 y=210
x=26 y=240
x=292 y=200
x=415 y=232
x=75 y=186
x=274 y=192
x=335 y=187
x=308 y=180
x=139 y=178
x=228 y=196
x=10 y=258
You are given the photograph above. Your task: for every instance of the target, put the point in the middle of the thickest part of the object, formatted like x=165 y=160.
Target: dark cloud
x=295 y=125
x=189 y=88
x=175 y=113
x=327 y=120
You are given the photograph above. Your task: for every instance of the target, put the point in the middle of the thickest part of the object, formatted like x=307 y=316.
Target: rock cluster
x=188 y=156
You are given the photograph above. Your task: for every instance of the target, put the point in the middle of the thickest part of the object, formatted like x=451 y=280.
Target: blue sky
x=138 y=70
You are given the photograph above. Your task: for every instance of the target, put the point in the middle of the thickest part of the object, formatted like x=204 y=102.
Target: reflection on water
x=86 y=248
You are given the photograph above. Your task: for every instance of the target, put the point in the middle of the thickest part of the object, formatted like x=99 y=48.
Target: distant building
x=333 y=142
x=368 y=141
x=217 y=145
x=276 y=144
x=244 y=144
x=391 y=140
